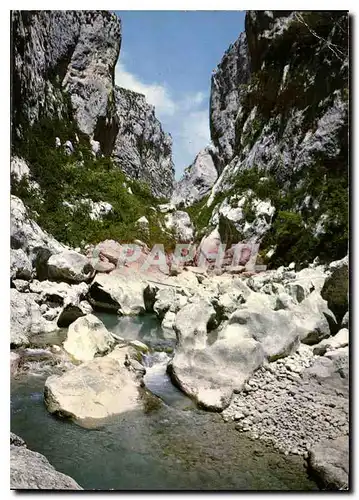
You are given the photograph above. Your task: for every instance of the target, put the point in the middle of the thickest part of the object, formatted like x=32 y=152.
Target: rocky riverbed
x=267 y=350
x=111 y=400
x=168 y=446
x=264 y=350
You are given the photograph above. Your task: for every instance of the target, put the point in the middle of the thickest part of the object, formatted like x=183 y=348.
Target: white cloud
x=185 y=116
x=195 y=131
x=156 y=94
x=191 y=101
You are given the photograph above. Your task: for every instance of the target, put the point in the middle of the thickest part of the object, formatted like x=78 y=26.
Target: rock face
x=26 y=318
x=89 y=76
x=19 y=168
x=26 y=235
x=32 y=471
x=76 y=51
x=329 y=460
x=64 y=69
x=273 y=121
x=180 y=223
x=142 y=150
x=197 y=181
x=226 y=91
x=94 y=390
x=244 y=217
x=87 y=337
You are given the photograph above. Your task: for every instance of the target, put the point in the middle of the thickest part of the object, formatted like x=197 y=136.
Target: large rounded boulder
x=69 y=266
x=88 y=337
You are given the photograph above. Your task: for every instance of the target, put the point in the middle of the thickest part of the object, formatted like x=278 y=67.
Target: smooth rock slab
x=329 y=460
x=94 y=390
x=118 y=292
x=341 y=339
x=210 y=375
x=32 y=471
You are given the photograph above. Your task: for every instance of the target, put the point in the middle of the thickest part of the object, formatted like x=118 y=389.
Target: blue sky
x=169 y=56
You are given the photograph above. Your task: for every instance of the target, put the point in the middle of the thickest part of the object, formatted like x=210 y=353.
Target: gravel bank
x=292 y=404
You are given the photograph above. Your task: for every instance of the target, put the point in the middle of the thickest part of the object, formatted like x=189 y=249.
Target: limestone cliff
x=279 y=120
x=197 y=180
x=142 y=149
x=63 y=65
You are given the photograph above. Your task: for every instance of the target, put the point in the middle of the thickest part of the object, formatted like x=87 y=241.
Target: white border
x=4 y=169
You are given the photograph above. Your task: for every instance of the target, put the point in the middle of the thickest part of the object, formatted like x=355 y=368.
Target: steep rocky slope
x=142 y=149
x=198 y=179
x=227 y=89
x=279 y=121
x=63 y=71
x=64 y=61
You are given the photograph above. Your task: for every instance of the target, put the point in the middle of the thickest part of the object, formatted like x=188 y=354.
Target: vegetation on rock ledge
x=58 y=199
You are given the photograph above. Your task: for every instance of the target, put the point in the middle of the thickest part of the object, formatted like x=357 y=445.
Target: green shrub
x=247 y=210
x=73 y=178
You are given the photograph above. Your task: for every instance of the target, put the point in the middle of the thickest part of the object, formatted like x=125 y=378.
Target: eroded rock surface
x=197 y=180
x=88 y=337
x=64 y=69
x=30 y=470
x=95 y=390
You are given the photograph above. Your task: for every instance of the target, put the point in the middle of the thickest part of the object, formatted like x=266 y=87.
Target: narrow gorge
x=187 y=334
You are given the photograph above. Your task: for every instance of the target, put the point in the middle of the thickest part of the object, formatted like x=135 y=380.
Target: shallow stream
x=175 y=446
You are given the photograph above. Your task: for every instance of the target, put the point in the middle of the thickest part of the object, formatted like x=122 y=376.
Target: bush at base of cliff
x=65 y=181
x=294 y=226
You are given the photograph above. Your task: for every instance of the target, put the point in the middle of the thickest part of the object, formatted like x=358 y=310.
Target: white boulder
x=69 y=266
x=95 y=390
x=88 y=337
x=20 y=265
